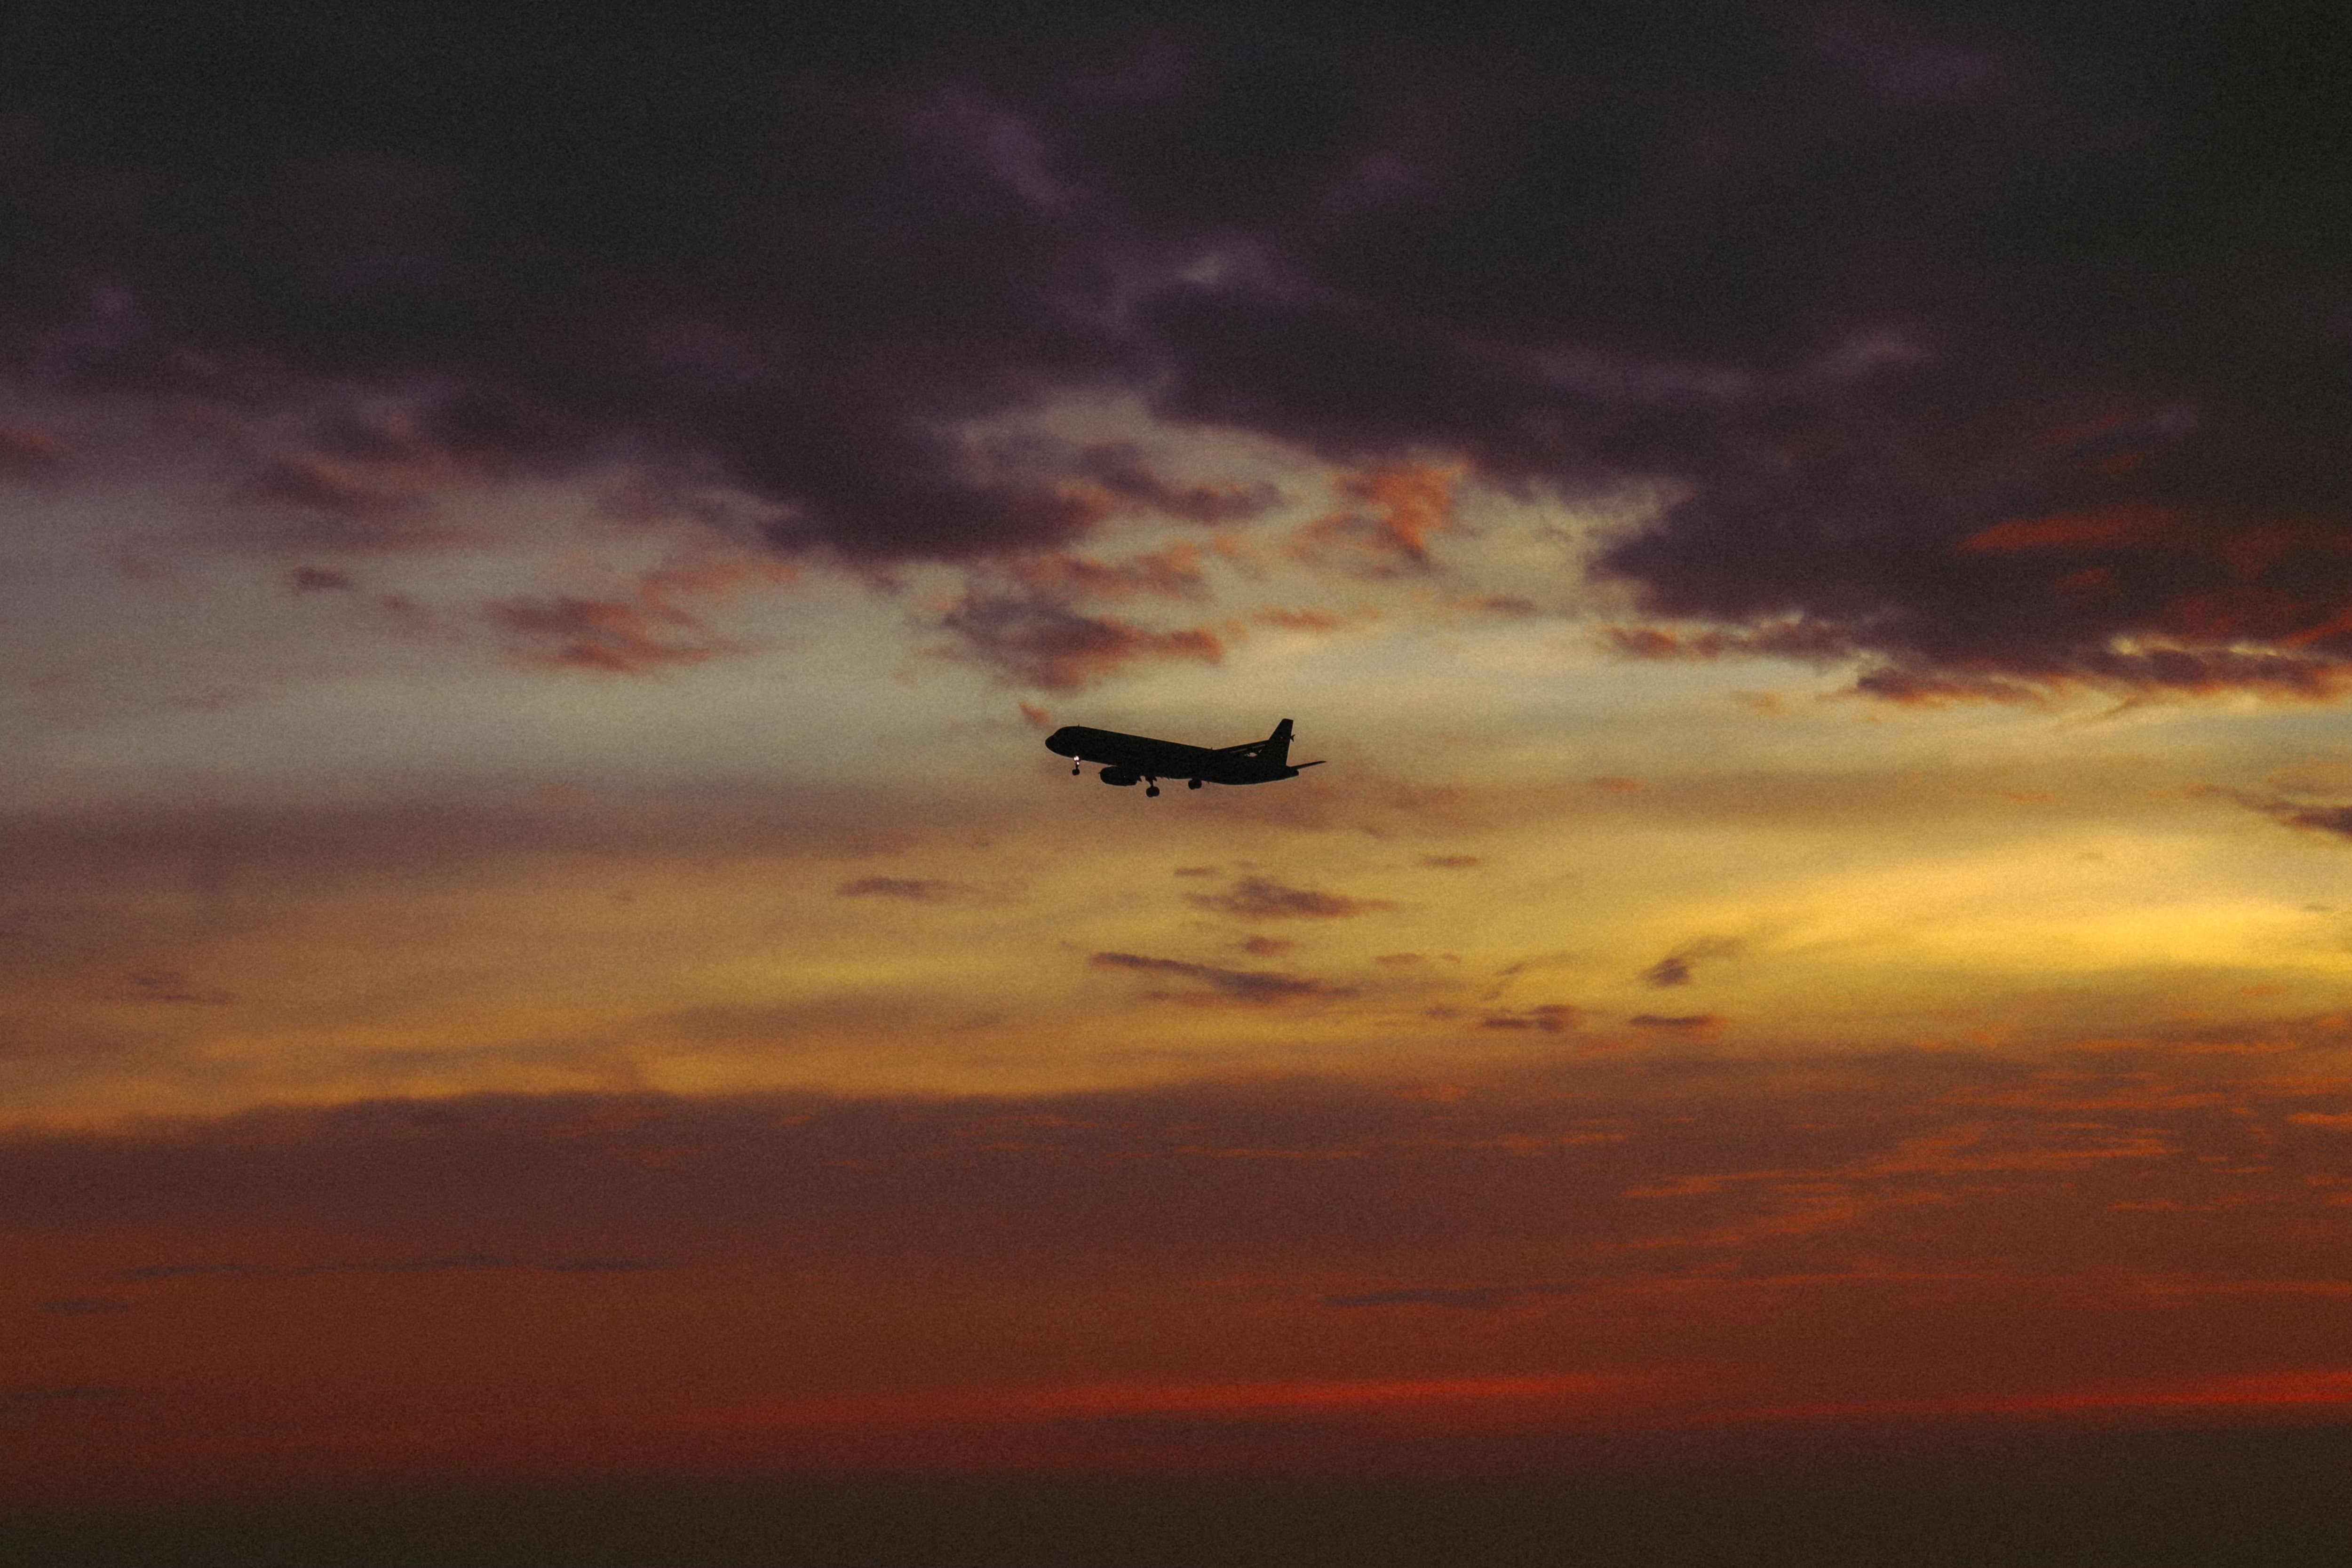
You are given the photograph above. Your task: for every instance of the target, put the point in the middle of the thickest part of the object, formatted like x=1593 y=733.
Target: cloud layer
x=2001 y=349
x=1247 y=1275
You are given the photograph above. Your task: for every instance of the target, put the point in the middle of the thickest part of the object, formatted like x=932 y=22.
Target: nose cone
x=1060 y=743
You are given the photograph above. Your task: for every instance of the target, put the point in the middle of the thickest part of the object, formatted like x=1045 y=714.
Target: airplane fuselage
x=1130 y=759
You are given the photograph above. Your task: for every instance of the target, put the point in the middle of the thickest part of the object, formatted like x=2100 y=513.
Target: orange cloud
x=1806 y=641
x=2126 y=525
x=1678 y=1024
x=1400 y=508
x=615 y=636
x=1170 y=573
x=657 y=624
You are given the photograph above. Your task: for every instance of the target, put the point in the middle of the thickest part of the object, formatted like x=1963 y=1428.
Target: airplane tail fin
x=1274 y=748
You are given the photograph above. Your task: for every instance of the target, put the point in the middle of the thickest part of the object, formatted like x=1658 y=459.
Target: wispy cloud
x=1549 y=1017
x=1678 y=1022
x=911 y=889
x=1680 y=966
x=1256 y=987
x=1039 y=639
x=1263 y=899
x=614 y=636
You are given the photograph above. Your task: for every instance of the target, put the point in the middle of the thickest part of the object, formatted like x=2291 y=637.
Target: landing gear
x=1074 y=770
x=1151 y=789
x=1192 y=784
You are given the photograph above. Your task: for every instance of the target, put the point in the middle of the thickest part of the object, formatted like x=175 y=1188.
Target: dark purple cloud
x=1998 y=345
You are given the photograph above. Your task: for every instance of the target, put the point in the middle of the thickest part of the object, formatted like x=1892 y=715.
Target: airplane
x=1139 y=759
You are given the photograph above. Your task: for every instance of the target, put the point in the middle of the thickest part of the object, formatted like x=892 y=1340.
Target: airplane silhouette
x=1139 y=759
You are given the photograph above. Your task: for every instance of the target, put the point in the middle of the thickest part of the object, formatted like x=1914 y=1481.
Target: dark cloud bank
x=1913 y=1222
x=2002 y=345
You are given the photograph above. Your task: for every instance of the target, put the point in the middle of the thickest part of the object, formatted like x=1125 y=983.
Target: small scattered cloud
x=171 y=986
x=1549 y=1017
x=1036 y=717
x=1672 y=970
x=1037 y=639
x=1260 y=899
x=1266 y=946
x=1320 y=622
x=658 y=622
x=342 y=490
x=615 y=637
x=1613 y=783
x=1509 y=607
x=320 y=580
x=1397 y=509
x=1256 y=987
x=1684 y=1024
x=2334 y=819
x=1193 y=871
x=1120 y=469
x=1913 y=687
x=1174 y=573
x=2308 y=815
x=1452 y=862
x=910 y=890
x=1680 y=967
x=1806 y=641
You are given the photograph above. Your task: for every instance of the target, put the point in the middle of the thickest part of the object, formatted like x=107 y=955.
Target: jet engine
x=1120 y=776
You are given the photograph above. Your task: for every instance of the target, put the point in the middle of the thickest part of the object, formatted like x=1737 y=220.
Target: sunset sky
x=541 y=943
